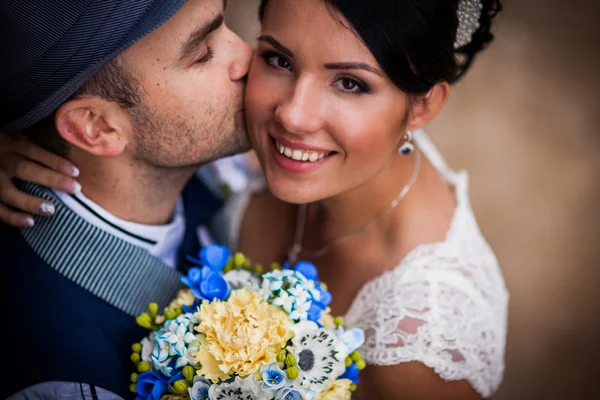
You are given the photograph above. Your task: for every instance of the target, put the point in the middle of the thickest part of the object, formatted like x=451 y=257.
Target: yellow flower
x=185 y=297
x=339 y=390
x=327 y=319
x=239 y=335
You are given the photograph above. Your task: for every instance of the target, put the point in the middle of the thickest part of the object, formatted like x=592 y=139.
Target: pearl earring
x=408 y=146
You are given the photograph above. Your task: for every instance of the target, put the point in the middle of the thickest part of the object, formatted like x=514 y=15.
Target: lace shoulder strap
x=432 y=310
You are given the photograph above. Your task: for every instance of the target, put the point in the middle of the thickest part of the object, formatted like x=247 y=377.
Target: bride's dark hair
x=413 y=40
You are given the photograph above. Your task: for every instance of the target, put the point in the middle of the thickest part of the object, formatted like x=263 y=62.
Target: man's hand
x=20 y=158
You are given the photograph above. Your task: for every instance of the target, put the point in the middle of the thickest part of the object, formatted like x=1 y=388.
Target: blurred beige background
x=525 y=122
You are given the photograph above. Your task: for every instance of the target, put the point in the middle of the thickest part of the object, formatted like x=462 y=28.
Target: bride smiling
x=338 y=95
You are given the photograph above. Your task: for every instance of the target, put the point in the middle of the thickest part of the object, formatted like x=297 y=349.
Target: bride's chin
x=289 y=192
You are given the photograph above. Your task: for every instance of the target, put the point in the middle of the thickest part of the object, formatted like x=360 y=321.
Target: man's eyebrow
x=354 y=65
x=198 y=36
x=273 y=42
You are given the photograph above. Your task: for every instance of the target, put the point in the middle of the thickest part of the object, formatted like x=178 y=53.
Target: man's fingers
x=27 y=170
x=15 y=218
x=51 y=160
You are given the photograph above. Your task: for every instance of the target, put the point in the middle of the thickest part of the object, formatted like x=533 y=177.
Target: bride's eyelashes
x=345 y=84
x=351 y=85
x=276 y=61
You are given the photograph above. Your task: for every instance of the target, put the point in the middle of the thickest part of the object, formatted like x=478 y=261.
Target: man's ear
x=428 y=107
x=97 y=126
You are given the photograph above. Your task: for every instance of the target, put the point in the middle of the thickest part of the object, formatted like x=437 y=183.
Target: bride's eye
x=277 y=61
x=350 y=85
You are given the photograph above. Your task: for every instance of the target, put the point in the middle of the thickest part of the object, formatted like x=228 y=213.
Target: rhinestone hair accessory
x=469 y=13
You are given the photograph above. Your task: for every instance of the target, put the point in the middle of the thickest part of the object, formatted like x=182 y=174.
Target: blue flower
x=351 y=373
x=352 y=338
x=214 y=257
x=319 y=304
x=152 y=385
x=206 y=284
x=199 y=389
x=307 y=269
x=273 y=377
x=288 y=394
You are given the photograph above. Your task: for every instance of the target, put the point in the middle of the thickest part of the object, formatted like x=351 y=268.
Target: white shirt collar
x=161 y=241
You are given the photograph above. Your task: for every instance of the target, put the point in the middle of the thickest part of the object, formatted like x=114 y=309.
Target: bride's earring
x=408 y=146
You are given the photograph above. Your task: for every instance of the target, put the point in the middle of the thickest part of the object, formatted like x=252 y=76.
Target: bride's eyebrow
x=354 y=65
x=275 y=43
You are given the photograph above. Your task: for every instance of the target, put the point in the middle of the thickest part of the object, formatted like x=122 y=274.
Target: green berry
x=292 y=373
x=338 y=321
x=348 y=362
x=181 y=386
x=281 y=356
x=353 y=387
x=290 y=360
x=189 y=373
x=361 y=364
x=143 y=367
x=136 y=347
x=238 y=260
x=134 y=377
x=135 y=357
x=132 y=388
x=355 y=356
x=275 y=266
x=153 y=309
x=144 y=321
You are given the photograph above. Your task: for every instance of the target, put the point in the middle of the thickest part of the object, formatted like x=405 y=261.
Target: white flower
x=302 y=295
x=284 y=300
x=240 y=389
x=242 y=279
x=188 y=357
x=147 y=347
x=319 y=353
x=179 y=334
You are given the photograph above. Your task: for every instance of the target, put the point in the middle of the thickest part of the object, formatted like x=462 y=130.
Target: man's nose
x=242 y=56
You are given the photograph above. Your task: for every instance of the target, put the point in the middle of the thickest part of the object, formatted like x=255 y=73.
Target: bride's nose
x=301 y=112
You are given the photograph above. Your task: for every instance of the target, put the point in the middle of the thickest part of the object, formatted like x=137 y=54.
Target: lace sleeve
x=436 y=315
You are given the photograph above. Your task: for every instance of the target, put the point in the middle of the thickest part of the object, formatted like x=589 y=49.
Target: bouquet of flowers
x=238 y=333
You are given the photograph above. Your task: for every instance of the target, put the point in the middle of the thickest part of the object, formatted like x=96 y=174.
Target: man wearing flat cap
x=138 y=94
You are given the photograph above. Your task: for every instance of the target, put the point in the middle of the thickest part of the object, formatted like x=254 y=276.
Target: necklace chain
x=301 y=221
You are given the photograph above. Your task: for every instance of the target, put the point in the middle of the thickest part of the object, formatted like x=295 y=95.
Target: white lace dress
x=445 y=304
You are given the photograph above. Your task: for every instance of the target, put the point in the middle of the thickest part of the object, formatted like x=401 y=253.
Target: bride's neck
x=351 y=210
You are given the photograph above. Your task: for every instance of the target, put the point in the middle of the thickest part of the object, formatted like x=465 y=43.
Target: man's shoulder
x=200 y=201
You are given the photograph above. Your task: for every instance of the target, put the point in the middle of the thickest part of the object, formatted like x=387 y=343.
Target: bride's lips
x=296 y=166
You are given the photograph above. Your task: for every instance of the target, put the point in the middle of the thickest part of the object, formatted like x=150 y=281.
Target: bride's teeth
x=297 y=155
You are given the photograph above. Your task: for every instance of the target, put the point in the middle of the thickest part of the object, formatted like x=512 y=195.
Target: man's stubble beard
x=168 y=144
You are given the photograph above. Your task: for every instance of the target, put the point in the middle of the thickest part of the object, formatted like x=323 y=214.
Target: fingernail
x=27 y=221
x=47 y=208
x=69 y=169
x=71 y=186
